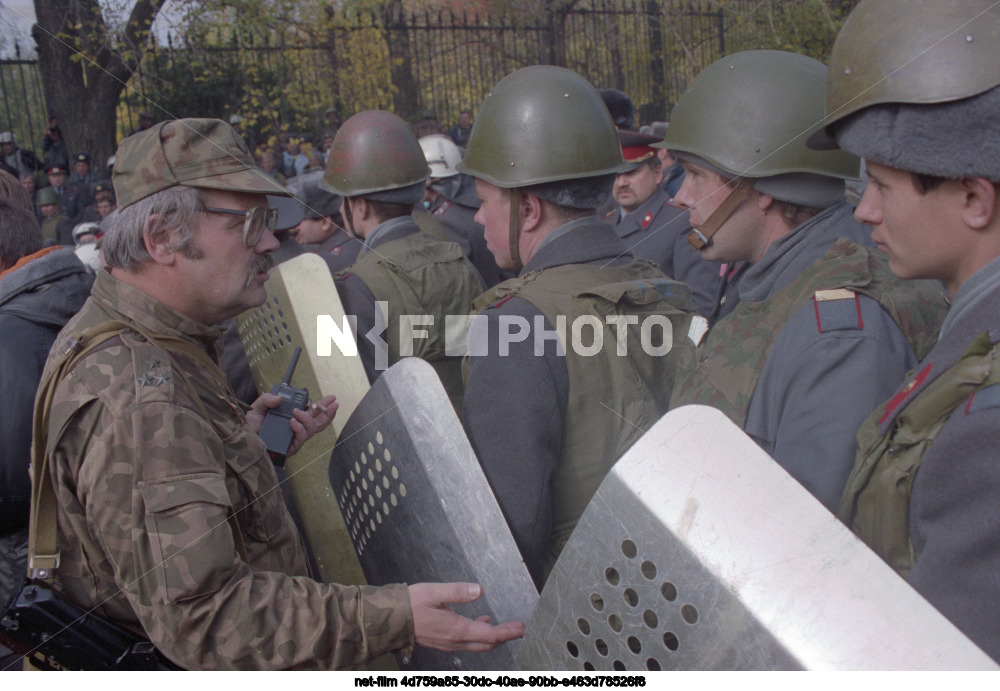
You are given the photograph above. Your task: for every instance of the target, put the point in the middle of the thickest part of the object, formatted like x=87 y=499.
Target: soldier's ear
x=531 y=210
x=156 y=237
x=979 y=205
x=764 y=201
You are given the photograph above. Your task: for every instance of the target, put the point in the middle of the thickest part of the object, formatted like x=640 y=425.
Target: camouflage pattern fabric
x=195 y=152
x=146 y=484
x=733 y=355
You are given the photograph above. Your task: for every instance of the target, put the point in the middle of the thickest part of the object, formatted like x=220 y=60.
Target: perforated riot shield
x=418 y=507
x=299 y=291
x=699 y=552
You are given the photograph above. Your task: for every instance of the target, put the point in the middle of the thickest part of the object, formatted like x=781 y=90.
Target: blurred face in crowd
x=49 y=210
x=740 y=238
x=314 y=231
x=632 y=189
x=57 y=179
x=464 y=119
x=8 y=148
x=28 y=182
x=104 y=208
x=82 y=168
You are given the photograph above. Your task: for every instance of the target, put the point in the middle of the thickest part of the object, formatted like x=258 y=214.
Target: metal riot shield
x=699 y=552
x=418 y=507
x=299 y=291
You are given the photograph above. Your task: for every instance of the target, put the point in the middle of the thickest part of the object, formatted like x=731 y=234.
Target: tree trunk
x=84 y=70
x=405 y=100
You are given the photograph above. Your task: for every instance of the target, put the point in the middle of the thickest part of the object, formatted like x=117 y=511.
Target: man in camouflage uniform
x=652 y=227
x=547 y=416
x=915 y=89
x=378 y=168
x=822 y=331
x=168 y=522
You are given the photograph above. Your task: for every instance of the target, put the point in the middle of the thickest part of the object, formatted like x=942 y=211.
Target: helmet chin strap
x=702 y=236
x=515 y=216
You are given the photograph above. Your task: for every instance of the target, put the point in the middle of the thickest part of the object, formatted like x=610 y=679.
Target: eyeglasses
x=257 y=220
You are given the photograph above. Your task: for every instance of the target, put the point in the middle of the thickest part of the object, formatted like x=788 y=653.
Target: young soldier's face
x=915 y=230
x=738 y=239
x=494 y=216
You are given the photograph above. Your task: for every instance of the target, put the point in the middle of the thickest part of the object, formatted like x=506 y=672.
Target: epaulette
x=441 y=209
x=154 y=377
x=837 y=310
x=610 y=214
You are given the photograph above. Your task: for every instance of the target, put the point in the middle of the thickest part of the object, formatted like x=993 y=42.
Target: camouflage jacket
x=146 y=485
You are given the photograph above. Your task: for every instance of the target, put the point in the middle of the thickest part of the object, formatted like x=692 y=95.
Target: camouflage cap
x=195 y=152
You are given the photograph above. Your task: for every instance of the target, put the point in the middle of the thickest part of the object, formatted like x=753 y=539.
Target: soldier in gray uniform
x=823 y=331
x=922 y=111
x=548 y=419
x=652 y=227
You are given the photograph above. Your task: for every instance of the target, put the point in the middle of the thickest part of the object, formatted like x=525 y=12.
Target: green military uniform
x=150 y=454
x=414 y=275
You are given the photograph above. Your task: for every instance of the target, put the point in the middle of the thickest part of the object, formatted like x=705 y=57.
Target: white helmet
x=442 y=155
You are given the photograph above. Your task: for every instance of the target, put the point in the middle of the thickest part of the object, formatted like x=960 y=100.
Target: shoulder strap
x=43 y=554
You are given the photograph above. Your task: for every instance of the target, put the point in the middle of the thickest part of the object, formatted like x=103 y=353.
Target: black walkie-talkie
x=276 y=430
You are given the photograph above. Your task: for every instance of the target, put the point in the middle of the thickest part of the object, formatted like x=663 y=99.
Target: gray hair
x=124 y=241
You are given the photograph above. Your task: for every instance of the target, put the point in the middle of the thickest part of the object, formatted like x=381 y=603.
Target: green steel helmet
x=749 y=114
x=542 y=124
x=374 y=151
x=911 y=51
x=47 y=195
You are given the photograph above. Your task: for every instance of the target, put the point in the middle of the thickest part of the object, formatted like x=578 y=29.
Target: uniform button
x=723 y=300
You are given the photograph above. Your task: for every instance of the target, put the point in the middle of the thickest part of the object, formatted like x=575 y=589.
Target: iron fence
x=438 y=61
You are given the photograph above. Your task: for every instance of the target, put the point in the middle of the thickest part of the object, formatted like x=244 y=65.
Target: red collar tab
x=904 y=392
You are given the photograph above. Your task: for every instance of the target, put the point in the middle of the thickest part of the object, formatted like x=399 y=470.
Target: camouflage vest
x=876 y=502
x=616 y=393
x=417 y=275
x=737 y=347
